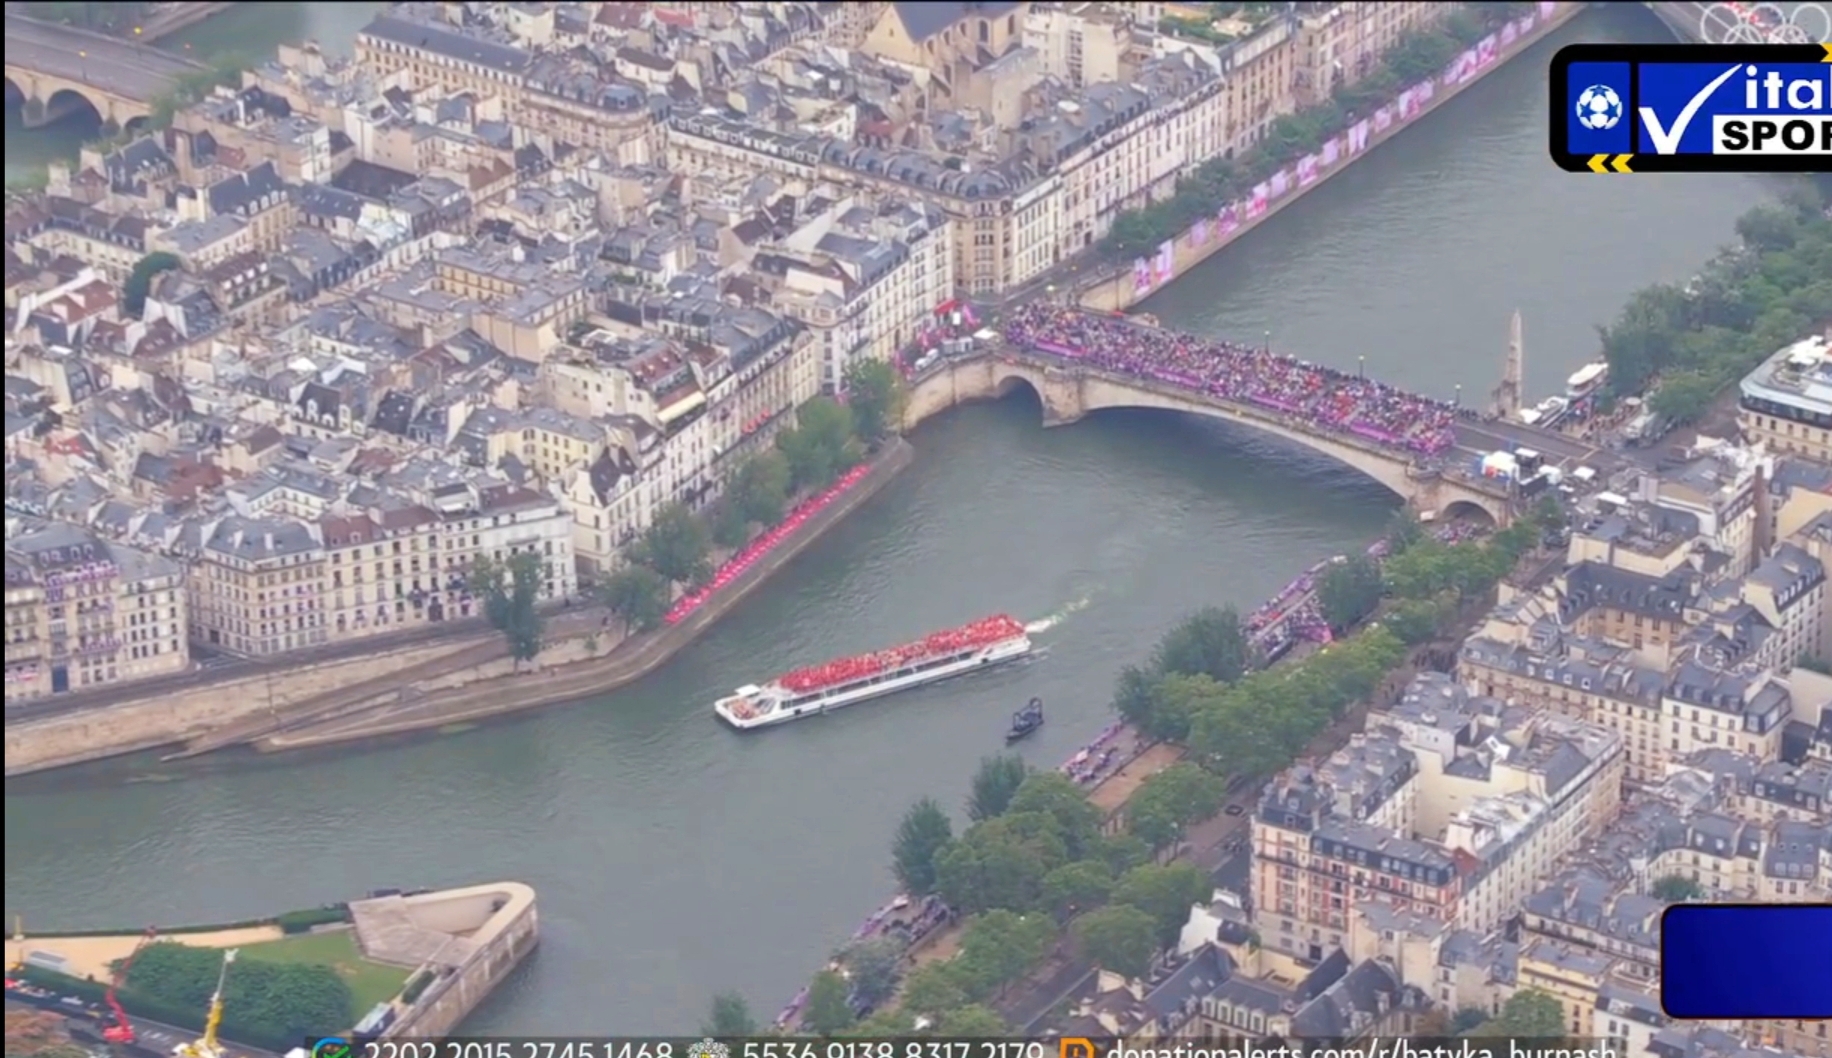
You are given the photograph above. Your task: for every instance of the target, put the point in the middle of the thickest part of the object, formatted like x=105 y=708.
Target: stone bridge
x=1749 y=22
x=52 y=71
x=1069 y=391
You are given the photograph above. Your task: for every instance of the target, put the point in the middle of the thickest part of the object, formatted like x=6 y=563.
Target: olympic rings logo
x=1730 y=22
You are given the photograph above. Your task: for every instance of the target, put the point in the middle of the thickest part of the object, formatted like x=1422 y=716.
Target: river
x=674 y=858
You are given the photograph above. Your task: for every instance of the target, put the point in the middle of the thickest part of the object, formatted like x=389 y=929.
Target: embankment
x=581 y=665
x=176 y=715
x=1119 y=289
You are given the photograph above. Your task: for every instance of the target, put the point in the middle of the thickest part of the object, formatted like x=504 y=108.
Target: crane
x=122 y=1031
x=208 y=1046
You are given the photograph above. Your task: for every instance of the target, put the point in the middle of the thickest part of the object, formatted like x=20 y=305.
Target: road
x=135 y=71
x=1718 y=23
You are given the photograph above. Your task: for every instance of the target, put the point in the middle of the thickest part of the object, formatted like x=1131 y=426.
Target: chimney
x=1761 y=537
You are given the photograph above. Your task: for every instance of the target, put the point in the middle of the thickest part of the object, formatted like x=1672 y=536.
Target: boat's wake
x=1044 y=624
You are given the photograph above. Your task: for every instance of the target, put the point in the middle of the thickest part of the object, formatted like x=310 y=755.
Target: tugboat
x=1025 y=721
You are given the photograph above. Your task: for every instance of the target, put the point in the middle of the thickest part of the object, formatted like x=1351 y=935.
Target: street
x=136 y=71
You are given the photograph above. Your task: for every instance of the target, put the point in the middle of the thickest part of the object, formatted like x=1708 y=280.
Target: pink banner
x=1256 y=206
x=1526 y=24
x=1404 y=107
x=1383 y=119
x=1423 y=92
x=1307 y=170
x=1486 y=48
x=1229 y=221
x=1165 y=268
x=1332 y=151
x=1460 y=69
x=1141 y=276
x=1357 y=137
x=1279 y=184
x=1199 y=232
x=1547 y=8
x=1508 y=35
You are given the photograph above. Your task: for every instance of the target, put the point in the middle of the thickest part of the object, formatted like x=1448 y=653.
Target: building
x=1786 y=403
x=84 y=613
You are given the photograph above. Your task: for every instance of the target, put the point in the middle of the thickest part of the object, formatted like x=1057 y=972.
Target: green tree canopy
x=676 y=545
x=820 y=446
x=999 y=946
x=1050 y=793
x=828 y=1009
x=730 y=1016
x=140 y=281
x=262 y=1001
x=1120 y=938
x=1684 y=398
x=922 y=837
x=1529 y=1014
x=994 y=785
x=1076 y=887
x=1210 y=642
x=875 y=393
x=637 y=595
x=1001 y=863
x=1170 y=800
x=1166 y=893
x=972 y=1022
x=511 y=594
x=760 y=489
x=1677 y=888
x=933 y=988
x=874 y=966
x=1349 y=592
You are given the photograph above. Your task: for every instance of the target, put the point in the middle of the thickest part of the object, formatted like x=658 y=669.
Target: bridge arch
x=60 y=101
x=1468 y=510
x=1067 y=396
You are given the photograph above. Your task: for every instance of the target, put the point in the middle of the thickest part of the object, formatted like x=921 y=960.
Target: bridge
x=1745 y=22
x=1446 y=484
x=54 y=70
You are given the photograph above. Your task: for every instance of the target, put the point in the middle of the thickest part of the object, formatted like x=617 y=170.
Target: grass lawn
x=371 y=982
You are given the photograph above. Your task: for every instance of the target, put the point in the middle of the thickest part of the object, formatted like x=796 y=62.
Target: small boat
x=1025 y=721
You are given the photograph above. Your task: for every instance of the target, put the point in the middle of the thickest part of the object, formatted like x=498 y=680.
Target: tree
x=876 y=395
x=731 y=1016
x=1677 y=888
x=829 y=1009
x=676 y=545
x=1166 y=893
x=511 y=595
x=266 y=1003
x=1167 y=802
x=933 y=988
x=1209 y=642
x=761 y=488
x=1120 y=938
x=1529 y=1014
x=1684 y=398
x=637 y=595
x=1055 y=795
x=1414 y=621
x=1000 y=946
x=140 y=281
x=1076 y=887
x=819 y=447
x=730 y=528
x=873 y=966
x=1403 y=530
x=922 y=837
x=1467 y=1018
x=1001 y=863
x=1135 y=696
x=1349 y=592
x=973 y=1022
x=994 y=785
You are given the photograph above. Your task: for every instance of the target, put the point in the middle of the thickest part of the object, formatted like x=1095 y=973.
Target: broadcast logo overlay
x=1692 y=108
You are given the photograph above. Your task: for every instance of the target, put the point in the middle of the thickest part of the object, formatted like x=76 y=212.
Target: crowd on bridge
x=1319 y=396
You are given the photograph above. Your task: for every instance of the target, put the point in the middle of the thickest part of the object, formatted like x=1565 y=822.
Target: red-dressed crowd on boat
x=983 y=632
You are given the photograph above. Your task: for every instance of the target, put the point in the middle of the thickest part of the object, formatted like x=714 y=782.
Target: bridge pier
x=37 y=113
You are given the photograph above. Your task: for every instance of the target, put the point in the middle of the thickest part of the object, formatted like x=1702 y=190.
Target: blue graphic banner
x=1644 y=108
x=1746 y=961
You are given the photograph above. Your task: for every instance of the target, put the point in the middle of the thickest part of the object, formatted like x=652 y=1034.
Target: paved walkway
x=95 y=956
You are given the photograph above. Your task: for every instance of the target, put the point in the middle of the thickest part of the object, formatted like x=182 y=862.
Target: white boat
x=1586 y=380
x=847 y=681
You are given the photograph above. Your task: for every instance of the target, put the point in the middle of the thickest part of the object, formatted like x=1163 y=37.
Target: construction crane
x=208 y=1046
x=122 y=1031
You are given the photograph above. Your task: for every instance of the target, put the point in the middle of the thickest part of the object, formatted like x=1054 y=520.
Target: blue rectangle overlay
x=1746 y=961
x=1596 y=108
x=1677 y=103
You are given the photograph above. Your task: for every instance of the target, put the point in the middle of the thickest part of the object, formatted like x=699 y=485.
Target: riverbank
x=455 y=680
x=429 y=957
x=583 y=665
x=1122 y=287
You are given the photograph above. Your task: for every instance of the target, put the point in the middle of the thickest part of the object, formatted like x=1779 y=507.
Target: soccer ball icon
x=1599 y=108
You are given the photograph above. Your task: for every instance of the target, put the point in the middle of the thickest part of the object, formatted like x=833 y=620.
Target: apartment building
x=84 y=613
x=1340 y=44
x=1786 y=403
x=525 y=306
x=383 y=570
x=256 y=585
x=863 y=275
x=1082 y=43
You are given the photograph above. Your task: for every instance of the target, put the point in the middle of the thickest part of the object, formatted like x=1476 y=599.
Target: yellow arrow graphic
x=1828 y=48
x=1599 y=163
x=1620 y=163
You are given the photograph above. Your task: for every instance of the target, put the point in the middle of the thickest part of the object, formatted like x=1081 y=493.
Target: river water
x=674 y=858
